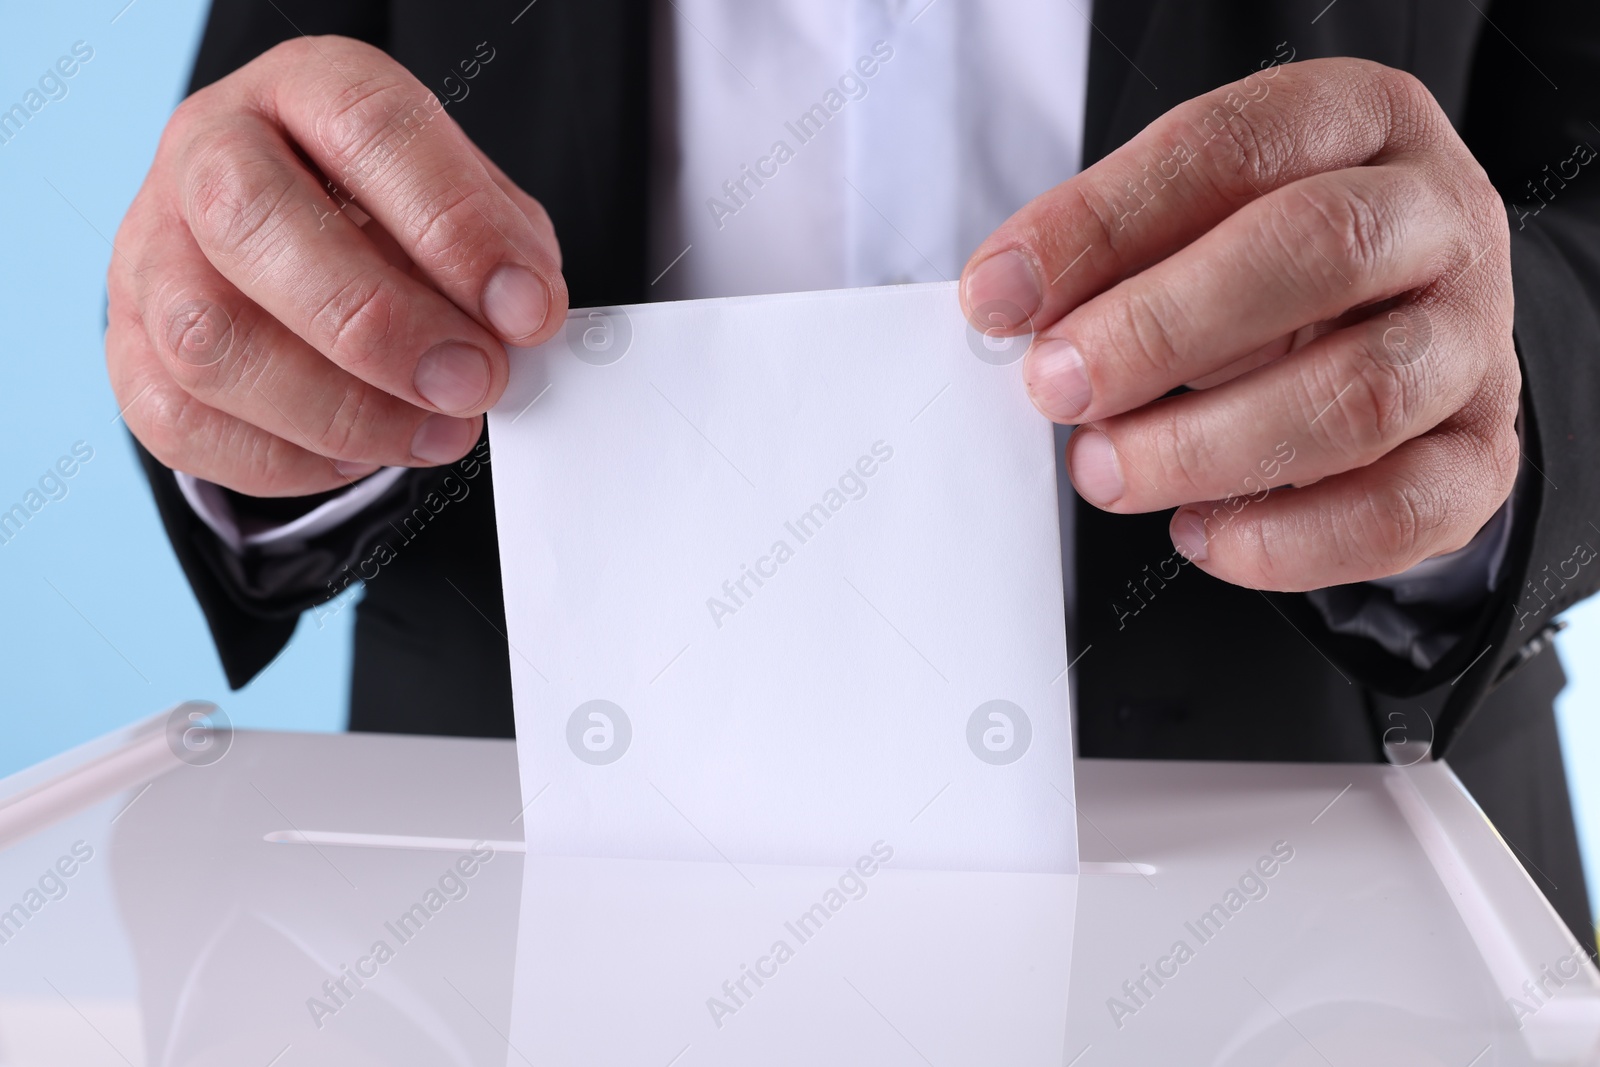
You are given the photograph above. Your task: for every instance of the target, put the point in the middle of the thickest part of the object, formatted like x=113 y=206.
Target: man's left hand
x=1317 y=255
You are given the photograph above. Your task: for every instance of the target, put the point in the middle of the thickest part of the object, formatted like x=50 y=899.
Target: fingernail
x=515 y=301
x=354 y=470
x=442 y=439
x=1094 y=466
x=1188 y=531
x=453 y=377
x=1003 y=291
x=1057 y=380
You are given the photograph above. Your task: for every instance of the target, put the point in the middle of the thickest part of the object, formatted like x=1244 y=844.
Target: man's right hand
x=317 y=275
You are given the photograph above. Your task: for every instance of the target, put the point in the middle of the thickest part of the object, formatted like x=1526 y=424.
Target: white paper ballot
x=782 y=579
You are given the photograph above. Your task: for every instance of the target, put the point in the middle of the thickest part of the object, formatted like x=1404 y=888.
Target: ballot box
x=178 y=893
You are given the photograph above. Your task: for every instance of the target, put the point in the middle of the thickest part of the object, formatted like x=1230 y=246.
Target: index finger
x=378 y=132
x=1184 y=173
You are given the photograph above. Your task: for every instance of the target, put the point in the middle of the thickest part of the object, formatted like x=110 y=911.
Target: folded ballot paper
x=784 y=598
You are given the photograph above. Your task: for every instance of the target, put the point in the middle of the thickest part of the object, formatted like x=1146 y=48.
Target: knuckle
x=310 y=48
x=234 y=198
x=123 y=279
x=451 y=234
x=1508 y=401
x=249 y=461
x=1143 y=327
x=1401 y=83
x=352 y=125
x=1375 y=411
x=1183 y=460
x=362 y=115
x=1493 y=432
x=1253 y=145
x=1062 y=221
x=1337 y=221
x=342 y=435
x=1481 y=202
x=190 y=114
x=124 y=308
x=1496 y=399
x=260 y=467
x=293 y=50
x=1505 y=460
x=183 y=434
x=1259 y=542
x=127 y=349
x=1250 y=145
x=1413 y=113
x=1409 y=100
x=160 y=420
x=1256 y=548
x=1388 y=529
x=357 y=323
x=318 y=51
x=195 y=334
x=1388 y=397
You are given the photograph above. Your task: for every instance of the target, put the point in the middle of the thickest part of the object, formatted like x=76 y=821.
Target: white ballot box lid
x=221 y=898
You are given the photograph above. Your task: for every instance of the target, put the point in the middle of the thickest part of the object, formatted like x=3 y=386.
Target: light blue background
x=98 y=624
x=140 y=643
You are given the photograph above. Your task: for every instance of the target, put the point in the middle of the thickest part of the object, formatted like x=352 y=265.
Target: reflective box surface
x=362 y=899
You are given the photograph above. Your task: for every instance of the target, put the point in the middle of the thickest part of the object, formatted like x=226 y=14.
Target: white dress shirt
x=822 y=144
x=962 y=121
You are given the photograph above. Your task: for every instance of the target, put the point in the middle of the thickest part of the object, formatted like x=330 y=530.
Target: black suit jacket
x=564 y=109
x=1203 y=670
